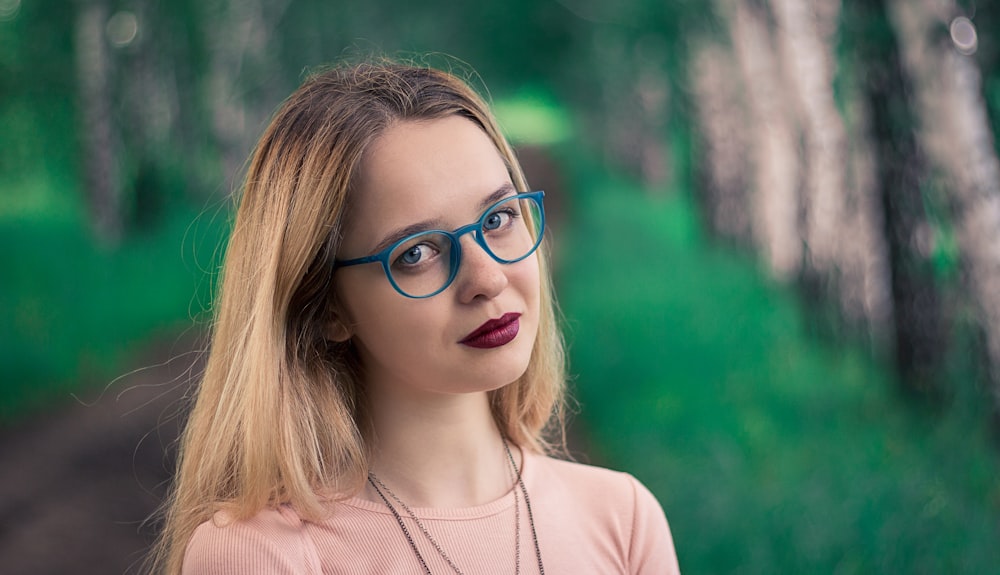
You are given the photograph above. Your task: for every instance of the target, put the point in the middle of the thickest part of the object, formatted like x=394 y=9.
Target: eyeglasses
x=424 y=264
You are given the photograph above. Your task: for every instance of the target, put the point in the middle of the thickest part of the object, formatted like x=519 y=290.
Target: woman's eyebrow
x=500 y=193
x=400 y=233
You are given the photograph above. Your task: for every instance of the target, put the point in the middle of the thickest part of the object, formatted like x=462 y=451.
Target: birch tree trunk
x=99 y=134
x=151 y=105
x=917 y=318
x=634 y=106
x=723 y=162
x=774 y=157
x=809 y=62
x=240 y=79
x=845 y=246
x=956 y=133
x=865 y=293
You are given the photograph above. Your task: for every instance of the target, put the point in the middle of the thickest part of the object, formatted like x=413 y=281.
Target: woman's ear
x=337 y=330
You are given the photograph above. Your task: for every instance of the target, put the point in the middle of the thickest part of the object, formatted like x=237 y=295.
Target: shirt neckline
x=504 y=502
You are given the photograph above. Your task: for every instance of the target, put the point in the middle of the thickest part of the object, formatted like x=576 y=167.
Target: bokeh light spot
x=9 y=9
x=963 y=34
x=533 y=119
x=122 y=29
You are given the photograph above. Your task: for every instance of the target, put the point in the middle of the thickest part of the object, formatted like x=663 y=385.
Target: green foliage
x=508 y=42
x=533 y=117
x=80 y=311
x=770 y=452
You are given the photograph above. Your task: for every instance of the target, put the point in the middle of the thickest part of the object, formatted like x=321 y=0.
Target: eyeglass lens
x=423 y=264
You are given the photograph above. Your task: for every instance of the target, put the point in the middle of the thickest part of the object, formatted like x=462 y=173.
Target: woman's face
x=435 y=175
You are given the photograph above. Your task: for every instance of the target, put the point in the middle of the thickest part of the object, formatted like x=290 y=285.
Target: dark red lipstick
x=494 y=333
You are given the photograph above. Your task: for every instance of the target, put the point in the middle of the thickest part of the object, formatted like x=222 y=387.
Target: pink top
x=588 y=520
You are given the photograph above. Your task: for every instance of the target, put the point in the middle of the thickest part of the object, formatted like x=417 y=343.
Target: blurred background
x=776 y=227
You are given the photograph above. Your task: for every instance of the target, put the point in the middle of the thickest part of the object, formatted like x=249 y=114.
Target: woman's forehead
x=416 y=171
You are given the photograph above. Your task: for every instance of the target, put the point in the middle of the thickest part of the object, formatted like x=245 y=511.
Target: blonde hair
x=279 y=416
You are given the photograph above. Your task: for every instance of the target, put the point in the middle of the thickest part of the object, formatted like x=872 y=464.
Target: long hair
x=279 y=416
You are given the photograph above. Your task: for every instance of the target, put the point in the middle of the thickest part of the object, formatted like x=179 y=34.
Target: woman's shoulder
x=612 y=509
x=582 y=477
x=272 y=541
x=596 y=490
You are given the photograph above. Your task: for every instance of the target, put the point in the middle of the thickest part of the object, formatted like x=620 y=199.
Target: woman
x=385 y=359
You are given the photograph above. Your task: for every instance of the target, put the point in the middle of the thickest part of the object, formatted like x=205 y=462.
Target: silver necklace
x=382 y=489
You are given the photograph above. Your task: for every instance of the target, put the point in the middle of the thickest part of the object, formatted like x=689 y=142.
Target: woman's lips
x=494 y=333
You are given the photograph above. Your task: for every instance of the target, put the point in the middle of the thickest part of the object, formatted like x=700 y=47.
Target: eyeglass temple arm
x=356 y=261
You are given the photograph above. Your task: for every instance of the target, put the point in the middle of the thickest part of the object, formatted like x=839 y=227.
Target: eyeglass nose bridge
x=455 y=259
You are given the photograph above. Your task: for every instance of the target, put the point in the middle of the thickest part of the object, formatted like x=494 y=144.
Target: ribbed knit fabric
x=588 y=520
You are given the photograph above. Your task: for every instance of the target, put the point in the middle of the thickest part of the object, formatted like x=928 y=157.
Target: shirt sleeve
x=651 y=549
x=246 y=548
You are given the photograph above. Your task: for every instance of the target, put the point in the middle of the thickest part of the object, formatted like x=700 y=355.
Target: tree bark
x=723 y=162
x=774 y=158
x=809 y=62
x=99 y=133
x=151 y=105
x=919 y=337
x=634 y=106
x=956 y=132
x=865 y=292
x=240 y=79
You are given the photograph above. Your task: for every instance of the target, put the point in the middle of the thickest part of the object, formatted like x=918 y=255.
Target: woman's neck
x=438 y=450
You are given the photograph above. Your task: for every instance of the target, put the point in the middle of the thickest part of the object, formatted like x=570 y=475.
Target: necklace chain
x=416 y=520
x=517 y=527
x=527 y=505
x=406 y=532
x=380 y=487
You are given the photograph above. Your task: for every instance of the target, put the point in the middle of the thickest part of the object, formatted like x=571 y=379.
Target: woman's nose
x=479 y=275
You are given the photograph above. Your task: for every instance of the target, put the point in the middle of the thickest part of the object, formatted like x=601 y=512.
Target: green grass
x=74 y=311
x=770 y=451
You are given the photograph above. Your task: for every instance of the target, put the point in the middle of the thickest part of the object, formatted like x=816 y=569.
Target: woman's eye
x=415 y=254
x=497 y=220
x=420 y=253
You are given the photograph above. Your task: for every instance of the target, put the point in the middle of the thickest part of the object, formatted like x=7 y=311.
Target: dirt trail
x=77 y=483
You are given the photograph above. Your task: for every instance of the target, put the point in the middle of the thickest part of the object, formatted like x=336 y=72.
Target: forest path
x=78 y=482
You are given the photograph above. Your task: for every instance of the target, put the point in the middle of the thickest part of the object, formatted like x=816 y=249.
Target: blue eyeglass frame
x=475 y=228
